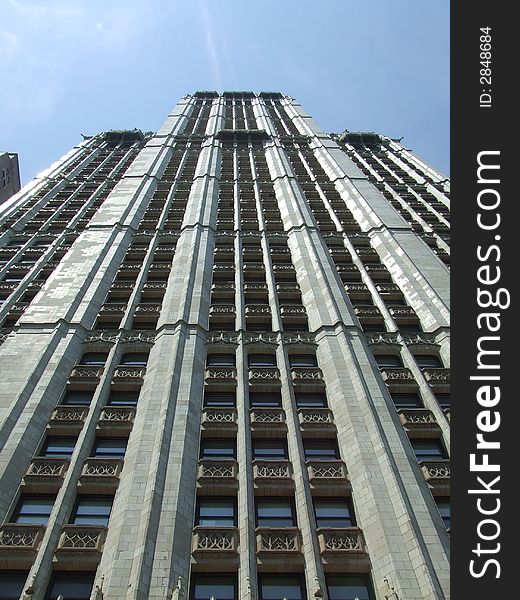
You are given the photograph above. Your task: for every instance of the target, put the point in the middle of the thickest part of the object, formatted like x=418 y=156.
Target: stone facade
x=277 y=299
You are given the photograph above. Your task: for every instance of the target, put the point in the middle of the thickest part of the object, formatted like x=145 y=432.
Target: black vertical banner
x=485 y=242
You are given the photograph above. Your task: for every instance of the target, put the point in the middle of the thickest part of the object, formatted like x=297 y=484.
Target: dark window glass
x=428 y=449
x=407 y=400
x=388 y=360
x=444 y=400
x=443 y=504
x=78 y=397
x=123 y=398
x=72 y=586
x=12 y=584
x=333 y=513
x=349 y=587
x=270 y=449
x=34 y=510
x=220 y=399
x=322 y=450
x=412 y=328
x=92 y=510
x=138 y=359
x=58 y=447
x=278 y=587
x=109 y=448
x=261 y=360
x=218 y=448
x=302 y=360
x=221 y=587
x=311 y=400
x=216 y=513
x=220 y=360
x=275 y=513
x=94 y=359
x=428 y=361
x=266 y=399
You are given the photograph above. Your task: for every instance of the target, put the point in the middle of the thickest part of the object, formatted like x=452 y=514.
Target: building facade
x=9 y=175
x=225 y=364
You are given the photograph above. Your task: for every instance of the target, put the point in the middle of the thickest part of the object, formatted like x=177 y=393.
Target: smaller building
x=9 y=175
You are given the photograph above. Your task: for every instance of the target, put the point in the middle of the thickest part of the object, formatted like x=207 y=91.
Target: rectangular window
x=216 y=513
x=265 y=399
x=278 y=587
x=78 y=397
x=270 y=449
x=428 y=449
x=12 y=584
x=220 y=399
x=33 y=510
x=70 y=585
x=220 y=360
x=275 y=513
x=220 y=449
x=221 y=587
x=443 y=504
x=388 y=361
x=428 y=361
x=92 y=510
x=302 y=360
x=348 y=587
x=322 y=450
x=123 y=398
x=109 y=448
x=444 y=400
x=261 y=360
x=333 y=513
x=94 y=359
x=306 y=400
x=58 y=447
x=411 y=400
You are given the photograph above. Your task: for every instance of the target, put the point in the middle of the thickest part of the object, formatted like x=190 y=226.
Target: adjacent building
x=9 y=175
x=225 y=364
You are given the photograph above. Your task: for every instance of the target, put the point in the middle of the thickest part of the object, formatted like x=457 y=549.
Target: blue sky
x=84 y=66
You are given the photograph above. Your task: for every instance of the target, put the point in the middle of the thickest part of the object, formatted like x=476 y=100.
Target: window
x=388 y=360
x=428 y=361
x=270 y=450
x=78 y=397
x=136 y=359
x=443 y=504
x=349 y=587
x=71 y=586
x=222 y=587
x=261 y=360
x=33 y=510
x=94 y=359
x=216 y=513
x=109 y=448
x=12 y=584
x=322 y=450
x=302 y=361
x=265 y=399
x=411 y=328
x=376 y=327
x=444 y=400
x=92 y=510
x=278 y=587
x=275 y=513
x=220 y=360
x=220 y=399
x=428 y=449
x=220 y=449
x=411 y=400
x=129 y=398
x=305 y=400
x=333 y=513
x=58 y=447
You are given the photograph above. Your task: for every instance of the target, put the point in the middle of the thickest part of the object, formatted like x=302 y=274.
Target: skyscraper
x=226 y=364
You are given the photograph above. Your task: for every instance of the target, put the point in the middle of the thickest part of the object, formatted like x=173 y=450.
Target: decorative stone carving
x=349 y=539
x=82 y=538
x=211 y=539
x=16 y=538
x=278 y=540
